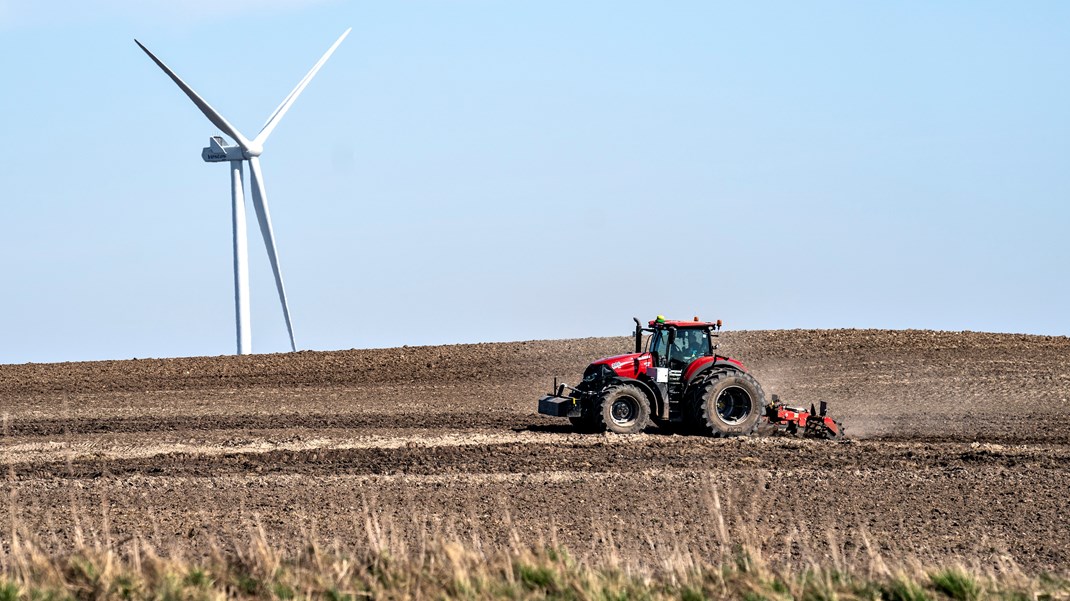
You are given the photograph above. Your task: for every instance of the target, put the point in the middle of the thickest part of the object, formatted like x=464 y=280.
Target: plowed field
x=959 y=450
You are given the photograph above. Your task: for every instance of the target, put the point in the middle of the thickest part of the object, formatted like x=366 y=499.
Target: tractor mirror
x=672 y=336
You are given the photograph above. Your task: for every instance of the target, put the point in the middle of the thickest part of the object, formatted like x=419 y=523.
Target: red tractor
x=676 y=377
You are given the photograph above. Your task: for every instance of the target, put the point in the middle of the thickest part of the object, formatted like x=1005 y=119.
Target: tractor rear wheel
x=624 y=409
x=727 y=403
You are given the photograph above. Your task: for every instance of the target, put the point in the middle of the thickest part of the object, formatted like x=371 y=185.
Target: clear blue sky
x=474 y=170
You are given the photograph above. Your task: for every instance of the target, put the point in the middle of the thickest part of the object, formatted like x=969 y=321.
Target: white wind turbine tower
x=247 y=150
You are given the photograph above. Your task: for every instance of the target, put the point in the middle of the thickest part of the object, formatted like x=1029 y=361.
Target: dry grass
x=444 y=568
x=453 y=571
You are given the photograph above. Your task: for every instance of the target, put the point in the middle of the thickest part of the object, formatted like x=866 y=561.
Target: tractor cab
x=675 y=344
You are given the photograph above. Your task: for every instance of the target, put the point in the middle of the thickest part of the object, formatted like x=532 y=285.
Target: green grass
x=903 y=589
x=956 y=585
x=9 y=591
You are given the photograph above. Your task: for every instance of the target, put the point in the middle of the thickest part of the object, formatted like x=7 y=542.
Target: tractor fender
x=700 y=368
x=657 y=404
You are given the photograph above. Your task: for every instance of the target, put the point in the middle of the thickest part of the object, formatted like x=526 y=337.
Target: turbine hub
x=254 y=150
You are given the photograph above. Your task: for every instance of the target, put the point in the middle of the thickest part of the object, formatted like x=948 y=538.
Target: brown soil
x=959 y=451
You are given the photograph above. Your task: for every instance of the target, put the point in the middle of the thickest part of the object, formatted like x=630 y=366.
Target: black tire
x=728 y=402
x=624 y=409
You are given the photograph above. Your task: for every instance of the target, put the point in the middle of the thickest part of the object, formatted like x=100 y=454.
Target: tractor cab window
x=657 y=343
x=690 y=344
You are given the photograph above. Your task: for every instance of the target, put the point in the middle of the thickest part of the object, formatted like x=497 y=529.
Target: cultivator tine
x=796 y=421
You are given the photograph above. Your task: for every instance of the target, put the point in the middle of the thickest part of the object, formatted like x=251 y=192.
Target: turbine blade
x=260 y=205
x=206 y=108
x=275 y=117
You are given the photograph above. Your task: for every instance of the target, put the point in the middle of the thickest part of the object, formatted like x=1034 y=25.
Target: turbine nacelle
x=219 y=151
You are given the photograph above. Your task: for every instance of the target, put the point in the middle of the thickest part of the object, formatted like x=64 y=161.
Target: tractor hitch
x=559 y=404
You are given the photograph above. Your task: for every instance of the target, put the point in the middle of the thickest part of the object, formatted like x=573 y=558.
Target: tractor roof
x=670 y=323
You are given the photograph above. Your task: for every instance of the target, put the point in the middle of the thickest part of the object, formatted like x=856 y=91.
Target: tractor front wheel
x=727 y=403
x=624 y=409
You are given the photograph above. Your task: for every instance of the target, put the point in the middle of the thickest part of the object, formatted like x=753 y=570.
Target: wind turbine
x=219 y=151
